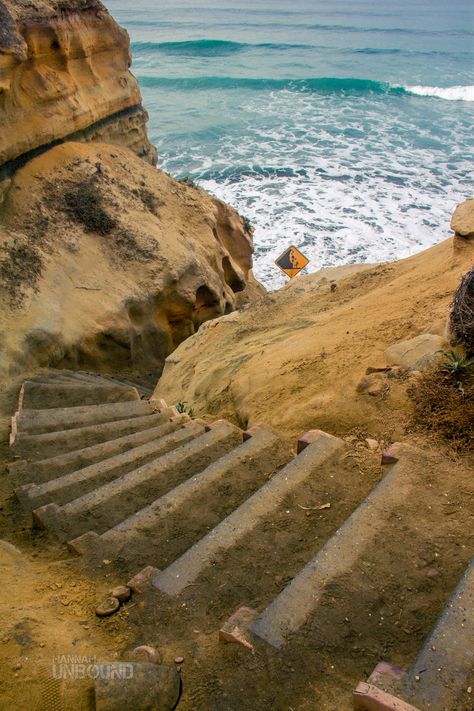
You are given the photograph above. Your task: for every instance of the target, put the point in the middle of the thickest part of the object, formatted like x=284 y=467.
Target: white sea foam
x=344 y=181
x=358 y=179
x=450 y=93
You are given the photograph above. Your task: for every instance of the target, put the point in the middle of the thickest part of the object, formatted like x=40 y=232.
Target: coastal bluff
x=105 y=262
x=64 y=74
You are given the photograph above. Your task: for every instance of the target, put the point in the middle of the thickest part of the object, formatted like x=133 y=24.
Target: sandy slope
x=295 y=357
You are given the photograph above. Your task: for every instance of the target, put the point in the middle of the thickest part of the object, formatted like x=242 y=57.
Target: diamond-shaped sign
x=291 y=261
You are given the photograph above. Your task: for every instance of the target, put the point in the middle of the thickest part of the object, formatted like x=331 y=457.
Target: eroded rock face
x=107 y=263
x=64 y=73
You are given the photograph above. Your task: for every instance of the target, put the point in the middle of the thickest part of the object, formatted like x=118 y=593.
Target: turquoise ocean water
x=344 y=126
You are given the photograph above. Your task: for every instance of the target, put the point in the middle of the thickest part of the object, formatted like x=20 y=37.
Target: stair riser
x=247 y=517
x=288 y=612
x=42 y=421
x=163 y=530
x=80 y=482
x=106 y=507
x=37 y=396
x=441 y=670
x=52 y=468
x=44 y=446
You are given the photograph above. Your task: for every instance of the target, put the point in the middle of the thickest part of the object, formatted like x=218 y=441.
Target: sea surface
x=344 y=127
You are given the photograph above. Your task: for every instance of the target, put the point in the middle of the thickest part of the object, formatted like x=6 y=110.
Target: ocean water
x=344 y=127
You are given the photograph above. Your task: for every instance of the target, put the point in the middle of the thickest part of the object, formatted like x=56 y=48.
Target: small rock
x=178 y=660
x=374 y=384
x=121 y=686
x=17 y=666
x=372 y=444
x=107 y=607
x=122 y=593
x=432 y=573
x=145 y=653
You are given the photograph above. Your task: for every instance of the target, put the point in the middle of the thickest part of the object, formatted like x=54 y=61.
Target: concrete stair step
x=34 y=474
x=106 y=506
x=79 y=483
x=52 y=444
x=283 y=541
x=68 y=376
x=246 y=518
x=36 y=396
x=300 y=598
x=141 y=387
x=161 y=531
x=67 y=418
x=439 y=675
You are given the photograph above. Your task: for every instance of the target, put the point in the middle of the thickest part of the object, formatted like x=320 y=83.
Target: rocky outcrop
x=462 y=222
x=64 y=74
x=108 y=264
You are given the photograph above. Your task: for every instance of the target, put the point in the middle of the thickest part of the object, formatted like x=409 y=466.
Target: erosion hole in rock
x=55 y=45
x=231 y=277
x=207 y=305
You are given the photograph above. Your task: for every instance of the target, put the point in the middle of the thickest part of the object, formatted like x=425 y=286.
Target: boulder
x=121 y=686
x=462 y=221
x=416 y=353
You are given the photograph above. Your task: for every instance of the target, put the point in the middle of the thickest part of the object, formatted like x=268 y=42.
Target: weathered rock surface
x=108 y=263
x=64 y=73
x=416 y=353
x=462 y=221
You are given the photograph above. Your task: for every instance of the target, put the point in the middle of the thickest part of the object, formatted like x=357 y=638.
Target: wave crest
x=207 y=47
x=318 y=85
x=449 y=93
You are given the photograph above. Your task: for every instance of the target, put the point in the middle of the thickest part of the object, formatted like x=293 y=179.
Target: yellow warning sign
x=291 y=261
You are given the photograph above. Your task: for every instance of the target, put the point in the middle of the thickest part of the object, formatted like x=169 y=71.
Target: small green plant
x=187 y=180
x=248 y=227
x=455 y=363
x=182 y=409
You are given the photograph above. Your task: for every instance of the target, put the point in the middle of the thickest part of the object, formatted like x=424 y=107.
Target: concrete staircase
x=119 y=477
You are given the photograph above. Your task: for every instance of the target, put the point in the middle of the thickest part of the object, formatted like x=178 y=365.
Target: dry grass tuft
x=444 y=405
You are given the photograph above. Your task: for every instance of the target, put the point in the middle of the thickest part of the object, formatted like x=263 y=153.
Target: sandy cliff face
x=107 y=263
x=64 y=72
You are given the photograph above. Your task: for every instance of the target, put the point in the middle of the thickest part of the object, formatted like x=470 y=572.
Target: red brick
x=142 y=580
x=236 y=629
x=368 y=698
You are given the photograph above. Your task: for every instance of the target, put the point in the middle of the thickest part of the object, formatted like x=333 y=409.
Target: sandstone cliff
x=297 y=358
x=64 y=73
x=107 y=263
